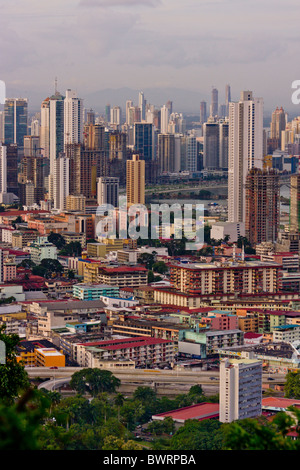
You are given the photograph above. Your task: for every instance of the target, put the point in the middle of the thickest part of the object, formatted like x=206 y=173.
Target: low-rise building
x=94 y=291
x=42 y=249
x=143 y=351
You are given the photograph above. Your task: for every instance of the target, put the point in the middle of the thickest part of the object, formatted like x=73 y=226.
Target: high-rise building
x=211 y=145
x=73 y=119
x=164 y=119
x=245 y=150
x=142 y=105
x=129 y=110
x=191 y=153
x=203 y=112
x=56 y=135
x=117 y=145
x=227 y=98
x=295 y=203
x=278 y=124
x=240 y=389
x=166 y=153
x=144 y=140
x=32 y=173
x=61 y=181
x=214 y=102
x=108 y=191
x=84 y=169
x=15 y=121
x=223 y=144
x=32 y=146
x=116 y=117
x=107 y=113
x=12 y=168
x=45 y=128
x=262 y=206
x=135 y=180
x=3 y=169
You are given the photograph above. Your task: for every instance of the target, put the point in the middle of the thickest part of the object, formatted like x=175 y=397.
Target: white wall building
x=240 y=389
x=41 y=249
x=245 y=149
x=73 y=118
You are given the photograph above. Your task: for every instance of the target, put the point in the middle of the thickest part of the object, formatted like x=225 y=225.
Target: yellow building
x=135 y=181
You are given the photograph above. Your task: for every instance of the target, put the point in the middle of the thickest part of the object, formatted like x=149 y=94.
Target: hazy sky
x=91 y=45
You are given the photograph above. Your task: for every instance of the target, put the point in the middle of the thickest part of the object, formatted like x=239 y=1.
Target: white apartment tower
x=240 y=389
x=73 y=118
x=45 y=128
x=164 y=119
x=245 y=149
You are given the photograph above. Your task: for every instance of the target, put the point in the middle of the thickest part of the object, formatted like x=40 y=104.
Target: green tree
x=71 y=249
x=21 y=422
x=260 y=434
x=94 y=381
x=292 y=385
x=13 y=377
x=198 y=435
x=57 y=239
x=160 y=267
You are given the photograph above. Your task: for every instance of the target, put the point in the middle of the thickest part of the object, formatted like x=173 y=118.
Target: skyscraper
x=262 y=206
x=227 y=98
x=277 y=125
x=245 y=150
x=164 y=119
x=61 y=181
x=166 y=153
x=295 y=204
x=223 y=144
x=45 y=128
x=15 y=121
x=108 y=191
x=211 y=145
x=56 y=134
x=135 y=180
x=73 y=118
x=142 y=105
x=214 y=102
x=144 y=140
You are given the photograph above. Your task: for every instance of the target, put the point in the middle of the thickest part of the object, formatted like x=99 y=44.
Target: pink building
x=221 y=320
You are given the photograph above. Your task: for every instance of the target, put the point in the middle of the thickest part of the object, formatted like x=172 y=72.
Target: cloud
x=118 y=3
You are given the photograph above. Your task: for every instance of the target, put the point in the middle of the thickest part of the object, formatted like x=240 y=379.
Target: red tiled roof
x=278 y=402
x=200 y=411
x=127 y=342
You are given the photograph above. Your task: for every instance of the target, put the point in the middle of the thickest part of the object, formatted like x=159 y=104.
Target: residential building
x=42 y=249
x=245 y=150
x=15 y=121
x=94 y=291
x=143 y=351
x=135 y=181
x=262 y=199
x=108 y=191
x=240 y=389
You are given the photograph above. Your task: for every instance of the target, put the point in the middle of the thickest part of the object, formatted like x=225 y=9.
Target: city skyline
x=94 y=45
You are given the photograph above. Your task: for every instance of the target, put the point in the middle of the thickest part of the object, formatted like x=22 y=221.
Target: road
x=164 y=381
